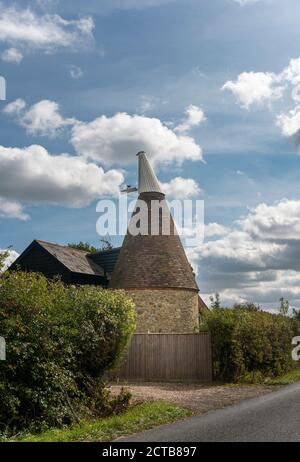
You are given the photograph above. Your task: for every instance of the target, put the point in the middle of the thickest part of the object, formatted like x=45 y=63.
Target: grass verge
x=138 y=418
x=286 y=379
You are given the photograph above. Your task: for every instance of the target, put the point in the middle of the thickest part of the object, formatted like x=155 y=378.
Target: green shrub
x=60 y=342
x=249 y=344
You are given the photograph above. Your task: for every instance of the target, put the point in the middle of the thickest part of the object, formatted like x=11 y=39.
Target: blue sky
x=155 y=59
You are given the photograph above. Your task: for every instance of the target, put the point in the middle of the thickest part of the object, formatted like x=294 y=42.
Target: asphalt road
x=273 y=417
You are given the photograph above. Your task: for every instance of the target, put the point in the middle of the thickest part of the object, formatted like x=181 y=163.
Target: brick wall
x=165 y=310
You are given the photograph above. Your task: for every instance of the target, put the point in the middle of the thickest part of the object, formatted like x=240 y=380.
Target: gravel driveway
x=197 y=397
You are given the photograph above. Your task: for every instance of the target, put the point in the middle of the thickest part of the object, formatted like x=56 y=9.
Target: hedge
x=60 y=342
x=249 y=344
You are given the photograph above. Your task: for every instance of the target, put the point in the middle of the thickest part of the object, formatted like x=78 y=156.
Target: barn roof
x=107 y=259
x=77 y=261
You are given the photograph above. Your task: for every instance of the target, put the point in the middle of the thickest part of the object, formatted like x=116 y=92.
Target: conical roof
x=148 y=181
x=152 y=259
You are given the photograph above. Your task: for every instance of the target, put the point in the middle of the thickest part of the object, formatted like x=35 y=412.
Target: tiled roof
x=107 y=259
x=202 y=305
x=153 y=261
x=77 y=261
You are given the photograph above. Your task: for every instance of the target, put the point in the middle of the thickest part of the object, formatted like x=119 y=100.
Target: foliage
x=249 y=344
x=106 y=243
x=296 y=314
x=136 y=419
x=284 y=306
x=215 y=301
x=86 y=247
x=286 y=379
x=60 y=342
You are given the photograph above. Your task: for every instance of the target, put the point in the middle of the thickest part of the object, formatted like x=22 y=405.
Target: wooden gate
x=168 y=357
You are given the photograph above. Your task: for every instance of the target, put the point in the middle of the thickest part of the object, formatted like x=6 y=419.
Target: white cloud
x=32 y=175
x=181 y=188
x=256 y=260
x=42 y=119
x=255 y=88
x=25 y=29
x=194 y=117
x=289 y=123
x=15 y=107
x=280 y=221
x=108 y=140
x=12 y=209
x=214 y=229
x=12 y=256
x=12 y=55
x=292 y=72
x=111 y=140
x=259 y=88
x=76 y=72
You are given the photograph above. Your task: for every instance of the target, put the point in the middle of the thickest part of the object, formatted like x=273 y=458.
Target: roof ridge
x=62 y=246
x=68 y=247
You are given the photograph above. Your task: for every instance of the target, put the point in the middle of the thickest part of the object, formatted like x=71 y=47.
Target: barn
x=71 y=265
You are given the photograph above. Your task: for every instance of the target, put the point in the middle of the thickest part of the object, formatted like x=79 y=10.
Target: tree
x=60 y=343
x=215 y=301
x=296 y=314
x=87 y=247
x=247 y=306
x=106 y=243
x=284 y=306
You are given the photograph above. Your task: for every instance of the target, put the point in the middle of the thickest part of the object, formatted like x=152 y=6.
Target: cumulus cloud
x=194 y=117
x=111 y=140
x=280 y=221
x=262 y=88
x=15 y=107
x=214 y=229
x=181 y=188
x=292 y=72
x=32 y=175
x=289 y=123
x=12 y=256
x=255 y=88
x=257 y=260
x=41 y=119
x=26 y=29
x=12 y=55
x=12 y=209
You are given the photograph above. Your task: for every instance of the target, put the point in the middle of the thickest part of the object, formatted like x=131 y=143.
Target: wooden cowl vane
x=152 y=265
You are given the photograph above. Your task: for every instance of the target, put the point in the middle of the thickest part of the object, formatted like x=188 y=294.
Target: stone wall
x=165 y=310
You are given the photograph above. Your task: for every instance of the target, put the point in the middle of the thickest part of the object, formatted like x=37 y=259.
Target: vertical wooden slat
x=185 y=357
